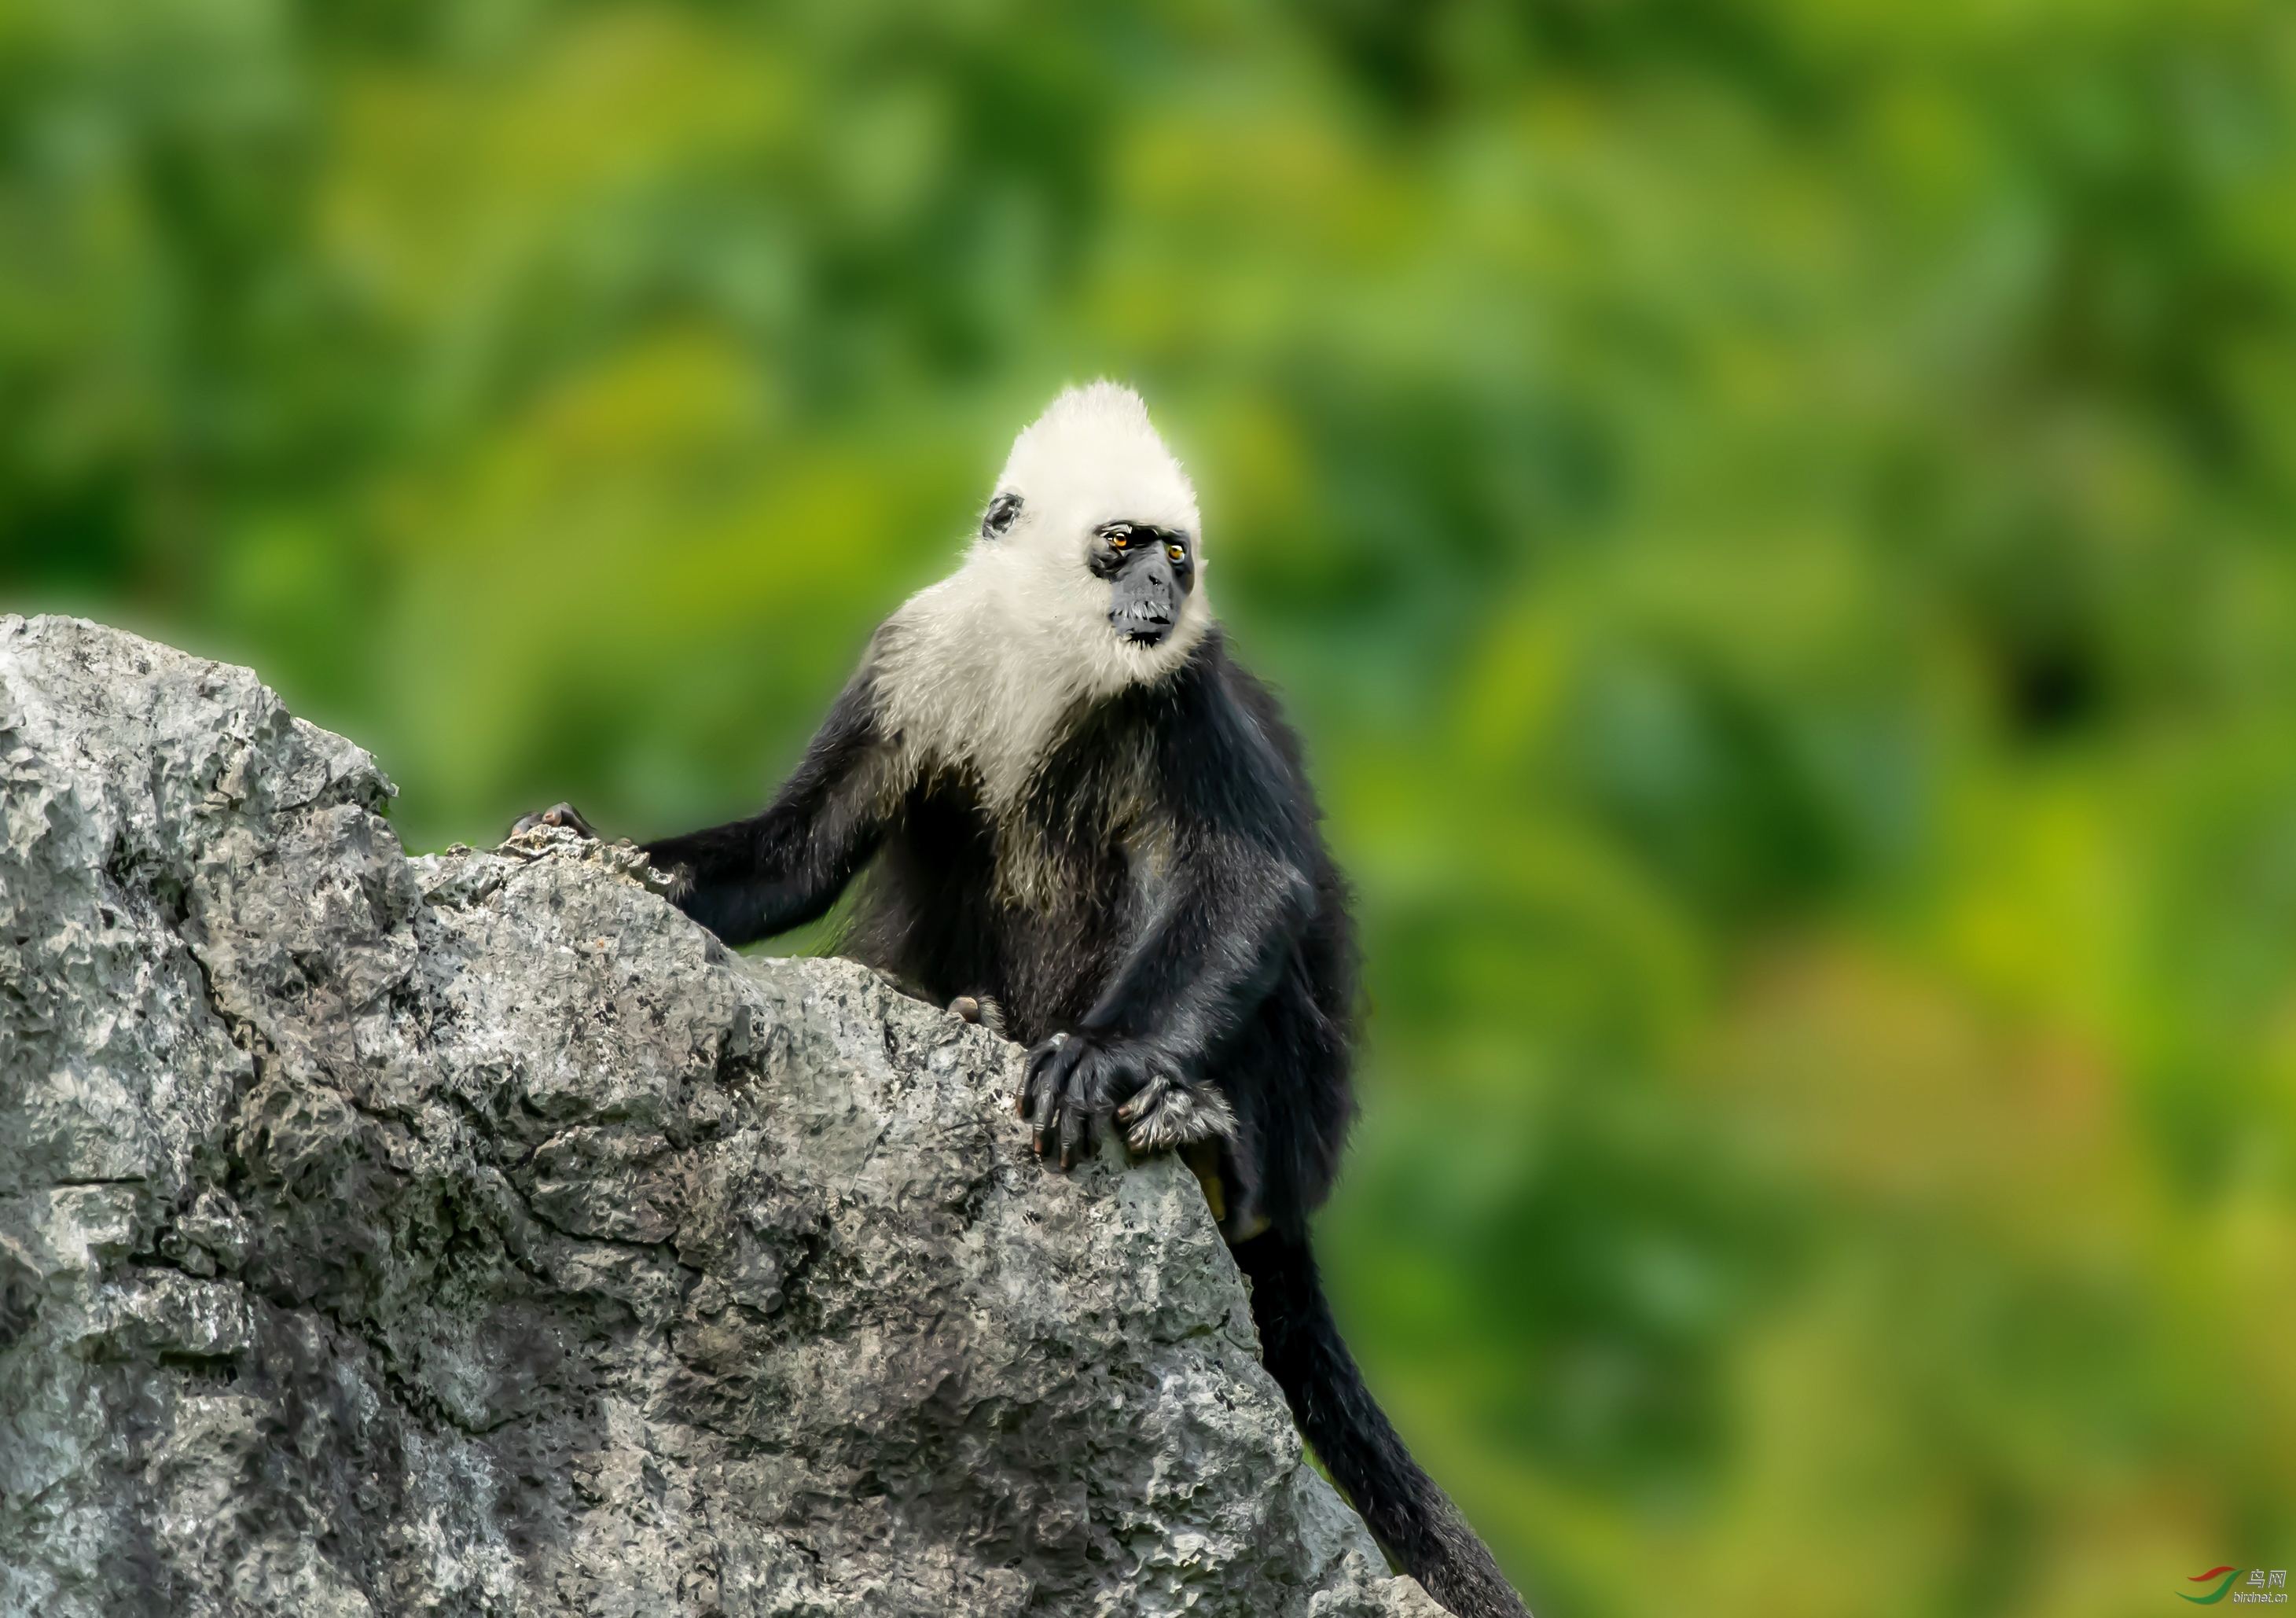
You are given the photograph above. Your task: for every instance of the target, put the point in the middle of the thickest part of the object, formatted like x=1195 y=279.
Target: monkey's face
x=1150 y=571
x=1093 y=536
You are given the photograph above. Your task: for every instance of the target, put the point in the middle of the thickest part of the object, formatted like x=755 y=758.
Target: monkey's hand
x=557 y=814
x=1073 y=1082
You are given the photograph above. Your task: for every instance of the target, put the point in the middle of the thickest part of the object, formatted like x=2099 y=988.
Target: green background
x=1774 y=520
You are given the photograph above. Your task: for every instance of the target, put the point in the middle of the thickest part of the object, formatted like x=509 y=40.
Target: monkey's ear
x=1002 y=512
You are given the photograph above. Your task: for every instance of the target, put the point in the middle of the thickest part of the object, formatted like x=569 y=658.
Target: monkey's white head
x=1086 y=577
x=1092 y=541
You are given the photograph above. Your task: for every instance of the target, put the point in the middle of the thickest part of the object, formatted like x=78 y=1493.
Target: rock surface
x=474 y=1233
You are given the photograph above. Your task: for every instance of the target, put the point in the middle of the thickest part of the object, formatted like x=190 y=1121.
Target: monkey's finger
x=1034 y=1072
x=557 y=815
x=1144 y=1100
x=1076 y=1132
x=1066 y=1063
x=1040 y=1119
x=1044 y=1051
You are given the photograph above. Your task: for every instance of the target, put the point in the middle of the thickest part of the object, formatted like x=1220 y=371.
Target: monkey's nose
x=1143 y=604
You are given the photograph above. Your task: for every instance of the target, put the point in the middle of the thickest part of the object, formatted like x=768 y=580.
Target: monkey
x=1065 y=807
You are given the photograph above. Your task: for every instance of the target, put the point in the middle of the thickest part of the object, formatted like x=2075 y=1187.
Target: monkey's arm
x=1210 y=954
x=1207 y=953
x=750 y=879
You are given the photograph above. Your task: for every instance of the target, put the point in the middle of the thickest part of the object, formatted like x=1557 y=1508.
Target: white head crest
x=1093 y=457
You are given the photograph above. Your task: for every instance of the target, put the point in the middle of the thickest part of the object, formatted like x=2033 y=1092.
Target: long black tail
x=1410 y=1515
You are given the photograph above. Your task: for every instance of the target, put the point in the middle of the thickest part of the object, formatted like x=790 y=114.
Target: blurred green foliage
x=1776 y=522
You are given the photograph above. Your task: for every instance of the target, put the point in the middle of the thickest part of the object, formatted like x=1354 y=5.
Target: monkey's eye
x=1177 y=553
x=1119 y=538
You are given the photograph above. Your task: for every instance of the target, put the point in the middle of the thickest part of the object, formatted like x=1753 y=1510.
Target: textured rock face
x=473 y=1234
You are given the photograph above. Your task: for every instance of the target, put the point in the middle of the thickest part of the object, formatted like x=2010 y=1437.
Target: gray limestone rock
x=474 y=1233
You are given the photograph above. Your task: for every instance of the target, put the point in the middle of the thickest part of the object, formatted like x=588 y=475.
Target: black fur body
x=1234 y=961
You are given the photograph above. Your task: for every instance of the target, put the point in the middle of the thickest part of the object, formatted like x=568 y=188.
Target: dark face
x=1150 y=571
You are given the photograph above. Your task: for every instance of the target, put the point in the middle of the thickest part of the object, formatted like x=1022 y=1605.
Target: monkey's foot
x=981 y=1008
x=1169 y=1113
x=558 y=813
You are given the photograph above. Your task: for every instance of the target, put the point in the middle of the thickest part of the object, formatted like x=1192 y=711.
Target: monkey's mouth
x=1144 y=603
x=1143 y=623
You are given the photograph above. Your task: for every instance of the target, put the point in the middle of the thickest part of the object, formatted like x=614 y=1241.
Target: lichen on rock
x=475 y=1234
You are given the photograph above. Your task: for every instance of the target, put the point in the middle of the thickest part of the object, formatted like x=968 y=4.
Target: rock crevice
x=474 y=1233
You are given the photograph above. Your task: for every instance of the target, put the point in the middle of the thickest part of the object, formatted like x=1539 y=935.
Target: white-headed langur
x=1073 y=815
